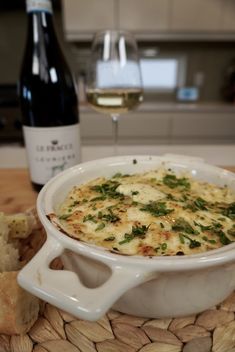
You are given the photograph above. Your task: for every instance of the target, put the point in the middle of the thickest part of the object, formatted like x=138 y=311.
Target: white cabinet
x=144 y=126
x=156 y=127
x=95 y=127
x=82 y=18
x=147 y=15
x=228 y=15
x=133 y=127
x=203 y=125
x=149 y=18
x=196 y=15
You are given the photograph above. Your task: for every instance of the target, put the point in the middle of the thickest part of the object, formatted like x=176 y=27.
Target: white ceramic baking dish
x=96 y=279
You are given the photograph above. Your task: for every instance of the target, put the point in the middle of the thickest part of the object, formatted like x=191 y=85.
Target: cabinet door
x=203 y=125
x=147 y=127
x=147 y=15
x=83 y=17
x=134 y=127
x=196 y=15
x=228 y=15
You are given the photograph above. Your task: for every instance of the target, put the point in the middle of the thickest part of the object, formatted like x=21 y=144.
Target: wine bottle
x=48 y=99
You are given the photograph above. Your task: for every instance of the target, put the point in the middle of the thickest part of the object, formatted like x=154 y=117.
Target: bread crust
x=18 y=308
x=24 y=234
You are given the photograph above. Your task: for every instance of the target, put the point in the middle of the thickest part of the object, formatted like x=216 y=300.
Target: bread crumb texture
x=18 y=308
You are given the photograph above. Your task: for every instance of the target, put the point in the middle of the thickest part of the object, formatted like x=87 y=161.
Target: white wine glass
x=114 y=84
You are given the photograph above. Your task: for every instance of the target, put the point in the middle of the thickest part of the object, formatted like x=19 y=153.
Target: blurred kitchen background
x=187 y=56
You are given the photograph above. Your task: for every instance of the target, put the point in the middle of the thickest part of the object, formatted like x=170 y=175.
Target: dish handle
x=64 y=289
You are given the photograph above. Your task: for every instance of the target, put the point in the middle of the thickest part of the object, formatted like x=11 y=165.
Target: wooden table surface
x=16 y=192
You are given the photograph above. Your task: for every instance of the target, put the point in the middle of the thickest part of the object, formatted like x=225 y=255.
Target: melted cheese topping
x=154 y=213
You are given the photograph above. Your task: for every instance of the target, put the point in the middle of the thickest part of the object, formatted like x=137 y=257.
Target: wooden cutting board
x=16 y=192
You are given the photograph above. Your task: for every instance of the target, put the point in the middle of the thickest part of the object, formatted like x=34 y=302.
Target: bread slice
x=20 y=225
x=18 y=308
x=9 y=254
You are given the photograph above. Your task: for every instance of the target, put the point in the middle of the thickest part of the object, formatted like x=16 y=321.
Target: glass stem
x=115 y=118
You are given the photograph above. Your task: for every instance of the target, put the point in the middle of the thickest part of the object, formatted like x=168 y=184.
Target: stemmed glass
x=114 y=84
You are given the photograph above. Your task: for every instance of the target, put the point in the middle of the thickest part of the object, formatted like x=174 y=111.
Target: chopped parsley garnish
x=98 y=198
x=183 y=226
x=217 y=225
x=223 y=238
x=137 y=231
x=183 y=198
x=134 y=193
x=117 y=175
x=181 y=238
x=170 y=197
x=140 y=231
x=229 y=211
x=107 y=190
x=127 y=238
x=163 y=246
x=120 y=175
x=100 y=226
x=76 y=202
x=221 y=219
x=203 y=227
x=89 y=217
x=217 y=229
x=209 y=241
x=172 y=181
x=110 y=217
x=156 y=208
x=200 y=203
x=110 y=238
x=193 y=243
x=197 y=204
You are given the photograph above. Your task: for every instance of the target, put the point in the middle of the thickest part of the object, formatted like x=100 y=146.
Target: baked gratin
x=150 y=214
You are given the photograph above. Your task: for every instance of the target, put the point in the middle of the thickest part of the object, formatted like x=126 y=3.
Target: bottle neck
x=41 y=28
x=39 y=19
x=39 y=6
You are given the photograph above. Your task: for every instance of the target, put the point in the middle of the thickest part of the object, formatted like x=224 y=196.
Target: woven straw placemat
x=57 y=331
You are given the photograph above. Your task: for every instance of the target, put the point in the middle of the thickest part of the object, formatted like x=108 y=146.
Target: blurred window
x=163 y=74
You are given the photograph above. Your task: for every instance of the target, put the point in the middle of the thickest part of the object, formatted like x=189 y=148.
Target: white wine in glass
x=114 y=84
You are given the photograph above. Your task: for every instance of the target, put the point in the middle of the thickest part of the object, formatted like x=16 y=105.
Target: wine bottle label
x=39 y=5
x=51 y=150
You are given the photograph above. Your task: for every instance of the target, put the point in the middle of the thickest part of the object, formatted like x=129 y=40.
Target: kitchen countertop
x=12 y=156
x=16 y=193
x=203 y=107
